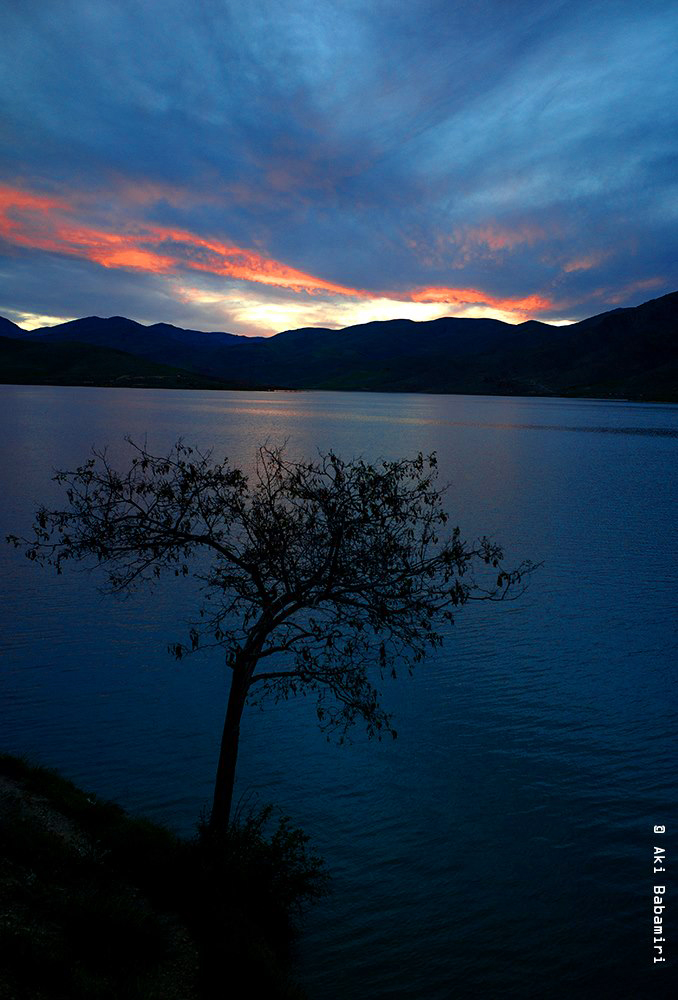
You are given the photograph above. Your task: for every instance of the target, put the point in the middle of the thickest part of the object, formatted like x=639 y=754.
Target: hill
x=97 y=903
x=29 y=362
x=629 y=353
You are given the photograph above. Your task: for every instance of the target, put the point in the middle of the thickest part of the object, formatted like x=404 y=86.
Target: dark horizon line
x=352 y=326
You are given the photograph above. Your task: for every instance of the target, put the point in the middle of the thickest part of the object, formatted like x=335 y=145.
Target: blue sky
x=258 y=166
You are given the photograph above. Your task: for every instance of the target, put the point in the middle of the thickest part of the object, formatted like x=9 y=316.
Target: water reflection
x=535 y=750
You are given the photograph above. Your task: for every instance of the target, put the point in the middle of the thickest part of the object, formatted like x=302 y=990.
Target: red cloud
x=467 y=296
x=45 y=223
x=496 y=237
x=51 y=223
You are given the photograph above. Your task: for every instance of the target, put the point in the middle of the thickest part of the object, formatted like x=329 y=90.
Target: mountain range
x=626 y=353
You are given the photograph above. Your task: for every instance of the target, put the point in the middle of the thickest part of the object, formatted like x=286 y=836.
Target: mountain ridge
x=630 y=352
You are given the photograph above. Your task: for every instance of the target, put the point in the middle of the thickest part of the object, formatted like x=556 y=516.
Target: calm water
x=502 y=846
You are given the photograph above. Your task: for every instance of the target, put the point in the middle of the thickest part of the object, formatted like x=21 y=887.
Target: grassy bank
x=100 y=905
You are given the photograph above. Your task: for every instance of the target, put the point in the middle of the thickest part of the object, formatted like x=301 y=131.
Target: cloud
x=518 y=308
x=46 y=222
x=345 y=154
x=41 y=222
x=587 y=262
x=255 y=316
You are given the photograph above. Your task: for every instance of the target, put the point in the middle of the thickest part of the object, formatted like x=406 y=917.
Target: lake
x=502 y=846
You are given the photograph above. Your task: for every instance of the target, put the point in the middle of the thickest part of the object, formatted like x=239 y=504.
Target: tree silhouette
x=322 y=576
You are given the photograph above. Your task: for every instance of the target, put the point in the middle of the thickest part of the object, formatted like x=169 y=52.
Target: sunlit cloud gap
x=34 y=321
x=257 y=316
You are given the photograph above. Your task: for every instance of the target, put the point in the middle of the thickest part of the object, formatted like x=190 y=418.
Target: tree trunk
x=228 y=755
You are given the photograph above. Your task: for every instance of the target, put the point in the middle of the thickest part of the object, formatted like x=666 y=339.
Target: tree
x=322 y=576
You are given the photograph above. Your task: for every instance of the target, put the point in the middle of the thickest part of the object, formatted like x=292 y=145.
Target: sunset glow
x=526 y=307
x=40 y=223
x=50 y=223
x=281 y=169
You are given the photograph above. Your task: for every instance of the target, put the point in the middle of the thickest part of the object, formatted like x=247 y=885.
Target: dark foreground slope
x=73 y=363
x=97 y=904
x=627 y=353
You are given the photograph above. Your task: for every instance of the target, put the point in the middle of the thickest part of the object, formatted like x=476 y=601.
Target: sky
x=261 y=165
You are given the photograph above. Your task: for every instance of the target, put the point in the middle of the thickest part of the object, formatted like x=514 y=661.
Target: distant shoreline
x=137 y=384
x=625 y=354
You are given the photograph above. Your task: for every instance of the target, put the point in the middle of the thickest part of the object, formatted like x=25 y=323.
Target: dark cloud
x=521 y=148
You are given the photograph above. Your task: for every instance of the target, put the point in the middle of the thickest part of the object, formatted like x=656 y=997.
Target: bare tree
x=322 y=576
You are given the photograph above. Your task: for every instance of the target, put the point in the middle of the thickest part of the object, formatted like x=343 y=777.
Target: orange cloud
x=498 y=237
x=43 y=223
x=54 y=224
x=585 y=263
x=17 y=200
x=467 y=244
x=521 y=308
